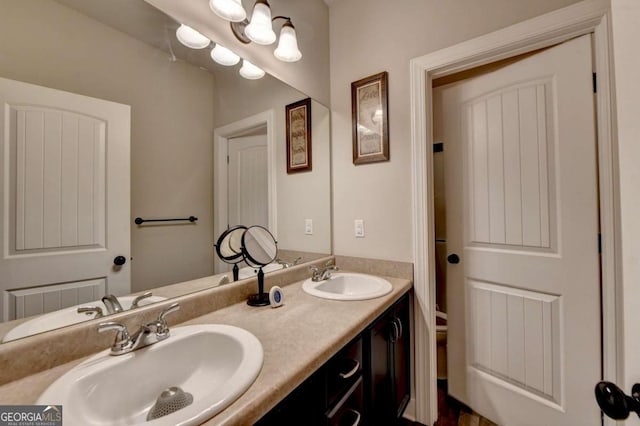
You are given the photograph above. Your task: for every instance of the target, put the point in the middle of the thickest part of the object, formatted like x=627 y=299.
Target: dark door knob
x=615 y=403
x=453 y=258
x=119 y=260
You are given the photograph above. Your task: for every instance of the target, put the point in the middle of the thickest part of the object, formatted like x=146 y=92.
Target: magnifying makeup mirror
x=259 y=249
x=229 y=247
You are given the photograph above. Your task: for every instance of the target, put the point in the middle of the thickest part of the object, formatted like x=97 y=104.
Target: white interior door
x=65 y=198
x=522 y=214
x=247 y=180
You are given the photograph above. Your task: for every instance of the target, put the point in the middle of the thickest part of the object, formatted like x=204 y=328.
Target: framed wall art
x=369 y=99
x=299 y=136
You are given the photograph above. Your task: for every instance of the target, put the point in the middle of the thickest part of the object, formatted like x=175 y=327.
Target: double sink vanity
x=336 y=352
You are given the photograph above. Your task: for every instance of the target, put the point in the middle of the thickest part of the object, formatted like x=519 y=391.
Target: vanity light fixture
x=191 y=38
x=224 y=56
x=231 y=10
x=287 y=50
x=250 y=71
x=260 y=28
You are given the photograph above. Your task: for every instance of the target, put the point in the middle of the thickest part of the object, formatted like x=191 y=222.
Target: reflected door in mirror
x=68 y=209
x=247 y=180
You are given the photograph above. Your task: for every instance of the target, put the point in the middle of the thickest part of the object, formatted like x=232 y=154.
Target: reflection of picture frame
x=299 y=136
x=369 y=99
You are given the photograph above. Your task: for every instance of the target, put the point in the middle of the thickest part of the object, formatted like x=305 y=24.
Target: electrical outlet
x=359 y=228
x=308 y=227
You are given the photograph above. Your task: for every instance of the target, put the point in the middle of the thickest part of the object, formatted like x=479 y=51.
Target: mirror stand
x=260 y=298
x=259 y=249
x=236 y=272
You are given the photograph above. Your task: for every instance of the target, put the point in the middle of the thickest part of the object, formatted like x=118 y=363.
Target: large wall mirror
x=198 y=133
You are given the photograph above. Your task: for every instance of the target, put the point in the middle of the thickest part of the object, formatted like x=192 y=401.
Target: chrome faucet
x=91 y=310
x=136 y=301
x=322 y=274
x=286 y=264
x=112 y=304
x=148 y=334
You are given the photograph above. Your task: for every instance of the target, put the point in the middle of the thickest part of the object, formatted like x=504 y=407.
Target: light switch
x=359 y=228
x=308 y=227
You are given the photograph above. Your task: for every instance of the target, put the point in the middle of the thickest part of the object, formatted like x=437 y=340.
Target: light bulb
x=231 y=10
x=287 y=49
x=260 y=29
x=250 y=71
x=224 y=56
x=191 y=38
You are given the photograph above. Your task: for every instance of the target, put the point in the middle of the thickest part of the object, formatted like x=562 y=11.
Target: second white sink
x=348 y=286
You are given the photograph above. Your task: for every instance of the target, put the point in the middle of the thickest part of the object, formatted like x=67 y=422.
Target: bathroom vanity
x=310 y=347
x=367 y=382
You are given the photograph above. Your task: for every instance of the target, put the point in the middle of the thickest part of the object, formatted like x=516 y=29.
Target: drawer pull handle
x=356 y=422
x=351 y=372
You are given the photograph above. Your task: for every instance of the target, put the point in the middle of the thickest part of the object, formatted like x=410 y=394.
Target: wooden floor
x=454 y=413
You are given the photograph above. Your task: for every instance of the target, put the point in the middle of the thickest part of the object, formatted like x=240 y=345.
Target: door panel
x=523 y=304
x=248 y=204
x=65 y=208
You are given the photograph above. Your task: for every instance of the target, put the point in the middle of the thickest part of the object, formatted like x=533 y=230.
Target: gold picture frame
x=369 y=114
x=298 y=117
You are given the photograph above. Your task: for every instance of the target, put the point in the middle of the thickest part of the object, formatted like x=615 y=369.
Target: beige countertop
x=297 y=339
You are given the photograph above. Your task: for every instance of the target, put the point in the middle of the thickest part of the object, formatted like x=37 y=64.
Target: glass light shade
x=287 y=49
x=224 y=56
x=191 y=38
x=231 y=10
x=250 y=71
x=260 y=29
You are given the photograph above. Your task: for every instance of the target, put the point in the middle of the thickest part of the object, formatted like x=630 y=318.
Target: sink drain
x=170 y=401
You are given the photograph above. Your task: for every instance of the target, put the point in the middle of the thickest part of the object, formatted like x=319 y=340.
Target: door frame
x=586 y=17
x=221 y=136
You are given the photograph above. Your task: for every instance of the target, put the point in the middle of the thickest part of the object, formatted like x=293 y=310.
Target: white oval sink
x=67 y=316
x=348 y=286
x=215 y=363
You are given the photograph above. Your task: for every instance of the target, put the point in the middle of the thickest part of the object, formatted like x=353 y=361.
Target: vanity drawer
x=348 y=411
x=344 y=369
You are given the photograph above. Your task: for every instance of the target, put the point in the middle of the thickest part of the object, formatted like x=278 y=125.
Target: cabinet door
x=380 y=380
x=400 y=339
x=389 y=368
x=304 y=406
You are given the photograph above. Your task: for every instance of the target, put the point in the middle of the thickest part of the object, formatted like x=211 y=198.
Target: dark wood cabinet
x=366 y=383
x=389 y=382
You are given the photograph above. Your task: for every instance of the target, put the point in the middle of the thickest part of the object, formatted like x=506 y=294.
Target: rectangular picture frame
x=369 y=115
x=298 y=118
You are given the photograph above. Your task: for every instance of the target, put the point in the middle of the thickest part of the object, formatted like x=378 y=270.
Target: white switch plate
x=308 y=227
x=358 y=228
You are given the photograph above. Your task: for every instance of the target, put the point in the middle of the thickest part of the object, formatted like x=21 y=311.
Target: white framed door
x=65 y=197
x=222 y=137
x=523 y=303
x=247 y=178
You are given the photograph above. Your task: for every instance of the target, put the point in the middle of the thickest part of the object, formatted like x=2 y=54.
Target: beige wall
x=311 y=20
x=300 y=196
x=626 y=34
x=48 y=44
x=369 y=36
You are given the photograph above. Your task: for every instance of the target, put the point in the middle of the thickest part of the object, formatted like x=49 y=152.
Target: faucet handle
x=162 y=329
x=123 y=339
x=138 y=298
x=91 y=309
x=174 y=307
